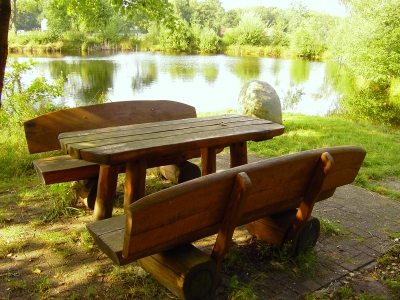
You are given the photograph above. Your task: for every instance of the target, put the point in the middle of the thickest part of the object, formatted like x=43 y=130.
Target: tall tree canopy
x=159 y=10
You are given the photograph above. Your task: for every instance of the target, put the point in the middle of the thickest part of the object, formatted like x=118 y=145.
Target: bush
x=209 y=41
x=179 y=39
x=22 y=101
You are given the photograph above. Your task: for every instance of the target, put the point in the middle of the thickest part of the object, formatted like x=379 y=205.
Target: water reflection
x=210 y=72
x=246 y=68
x=300 y=71
x=86 y=80
x=209 y=83
x=145 y=75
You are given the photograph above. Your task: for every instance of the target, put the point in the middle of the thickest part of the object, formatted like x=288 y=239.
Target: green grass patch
x=310 y=132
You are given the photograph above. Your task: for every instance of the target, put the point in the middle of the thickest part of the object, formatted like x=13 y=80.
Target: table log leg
x=208 y=161
x=135 y=181
x=238 y=152
x=106 y=188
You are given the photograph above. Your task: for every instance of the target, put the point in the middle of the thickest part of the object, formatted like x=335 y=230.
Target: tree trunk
x=5 y=13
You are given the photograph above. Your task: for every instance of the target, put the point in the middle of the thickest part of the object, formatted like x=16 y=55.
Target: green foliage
x=22 y=101
x=371 y=105
x=239 y=291
x=250 y=31
x=209 y=41
x=308 y=39
x=305 y=132
x=370 y=40
x=179 y=39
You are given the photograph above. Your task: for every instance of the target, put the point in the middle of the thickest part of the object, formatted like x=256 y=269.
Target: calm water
x=209 y=83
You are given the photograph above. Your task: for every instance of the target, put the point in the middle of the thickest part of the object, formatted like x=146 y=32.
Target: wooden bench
x=42 y=136
x=274 y=198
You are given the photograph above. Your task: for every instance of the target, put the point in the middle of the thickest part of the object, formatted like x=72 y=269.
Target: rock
x=259 y=99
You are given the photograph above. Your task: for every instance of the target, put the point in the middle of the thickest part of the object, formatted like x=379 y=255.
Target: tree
x=371 y=48
x=250 y=31
x=160 y=10
x=5 y=14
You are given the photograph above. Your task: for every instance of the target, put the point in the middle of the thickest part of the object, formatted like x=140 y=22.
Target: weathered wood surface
x=195 y=209
x=42 y=132
x=64 y=168
x=231 y=216
x=118 y=145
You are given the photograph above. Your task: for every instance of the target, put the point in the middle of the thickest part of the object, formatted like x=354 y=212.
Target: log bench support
x=188 y=272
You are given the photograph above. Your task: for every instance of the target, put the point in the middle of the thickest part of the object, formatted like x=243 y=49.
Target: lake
x=208 y=82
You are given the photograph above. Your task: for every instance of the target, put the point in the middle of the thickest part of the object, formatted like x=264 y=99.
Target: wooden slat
x=165 y=127
x=64 y=168
x=231 y=216
x=118 y=139
x=42 y=132
x=121 y=151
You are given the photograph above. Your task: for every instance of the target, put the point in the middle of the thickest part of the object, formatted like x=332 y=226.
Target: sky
x=332 y=7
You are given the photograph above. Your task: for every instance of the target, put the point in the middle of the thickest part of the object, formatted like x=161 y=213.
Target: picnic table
x=135 y=145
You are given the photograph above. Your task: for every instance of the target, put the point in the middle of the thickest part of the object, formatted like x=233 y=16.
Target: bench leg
x=208 y=161
x=106 y=189
x=238 y=153
x=135 y=181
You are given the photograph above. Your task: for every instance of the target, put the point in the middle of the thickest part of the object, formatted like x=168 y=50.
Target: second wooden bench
x=42 y=136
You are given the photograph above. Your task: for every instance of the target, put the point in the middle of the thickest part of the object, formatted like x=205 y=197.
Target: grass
x=21 y=190
x=382 y=144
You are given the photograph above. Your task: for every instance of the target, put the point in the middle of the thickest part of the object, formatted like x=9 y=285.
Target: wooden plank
x=121 y=152
x=139 y=132
x=113 y=139
x=157 y=127
x=42 y=132
x=231 y=217
x=109 y=236
x=64 y=168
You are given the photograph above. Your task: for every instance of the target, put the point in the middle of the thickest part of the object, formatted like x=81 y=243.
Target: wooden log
x=86 y=191
x=186 y=271
x=273 y=229
x=308 y=236
x=181 y=172
x=108 y=177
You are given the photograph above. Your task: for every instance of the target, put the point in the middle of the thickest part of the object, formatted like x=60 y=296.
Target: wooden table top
x=118 y=145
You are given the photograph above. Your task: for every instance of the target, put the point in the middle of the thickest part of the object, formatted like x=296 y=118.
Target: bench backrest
x=195 y=209
x=42 y=132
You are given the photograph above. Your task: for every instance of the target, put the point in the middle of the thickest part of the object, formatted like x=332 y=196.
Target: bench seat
x=64 y=168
